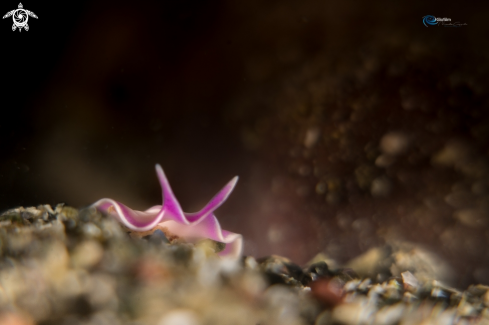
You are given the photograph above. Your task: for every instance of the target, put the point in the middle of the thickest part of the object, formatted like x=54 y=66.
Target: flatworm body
x=170 y=216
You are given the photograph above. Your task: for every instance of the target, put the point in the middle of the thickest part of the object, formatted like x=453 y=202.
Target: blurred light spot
x=312 y=136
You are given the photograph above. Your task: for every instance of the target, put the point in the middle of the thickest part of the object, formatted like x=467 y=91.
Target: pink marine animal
x=170 y=218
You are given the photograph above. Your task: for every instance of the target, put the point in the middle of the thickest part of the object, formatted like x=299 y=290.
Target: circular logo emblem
x=20 y=17
x=429 y=20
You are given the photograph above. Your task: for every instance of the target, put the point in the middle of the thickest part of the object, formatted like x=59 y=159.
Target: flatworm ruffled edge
x=202 y=224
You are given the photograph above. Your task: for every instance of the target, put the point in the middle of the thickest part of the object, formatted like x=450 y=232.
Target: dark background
x=96 y=93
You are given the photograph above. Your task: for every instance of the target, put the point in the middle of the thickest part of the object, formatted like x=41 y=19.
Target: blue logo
x=429 y=20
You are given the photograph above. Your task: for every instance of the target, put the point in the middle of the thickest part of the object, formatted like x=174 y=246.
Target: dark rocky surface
x=69 y=266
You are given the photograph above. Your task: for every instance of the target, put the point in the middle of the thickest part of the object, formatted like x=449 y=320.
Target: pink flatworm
x=170 y=216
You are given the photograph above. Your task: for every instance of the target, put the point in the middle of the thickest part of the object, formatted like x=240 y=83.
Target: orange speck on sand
x=14 y=319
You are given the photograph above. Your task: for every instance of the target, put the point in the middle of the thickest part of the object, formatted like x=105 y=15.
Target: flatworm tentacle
x=202 y=224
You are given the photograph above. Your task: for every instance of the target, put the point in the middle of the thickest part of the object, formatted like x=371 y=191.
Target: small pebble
x=410 y=282
x=87 y=254
x=180 y=317
x=91 y=230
